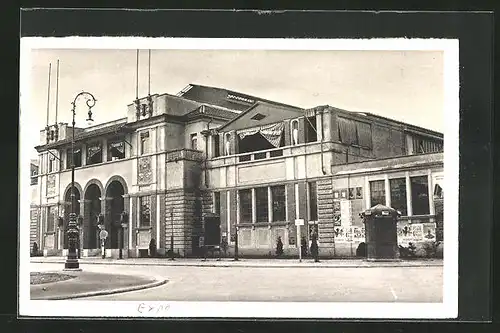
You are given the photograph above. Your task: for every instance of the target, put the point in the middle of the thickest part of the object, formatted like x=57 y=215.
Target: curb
x=107 y=291
x=245 y=265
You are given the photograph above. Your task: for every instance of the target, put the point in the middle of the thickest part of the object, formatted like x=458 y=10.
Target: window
x=398 y=195
x=216 y=139
x=52 y=163
x=356 y=133
x=145 y=211
x=77 y=158
x=295 y=132
x=116 y=149
x=311 y=129
x=94 y=153
x=377 y=192
x=438 y=192
x=261 y=204
x=194 y=141
x=424 y=145
x=278 y=202
x=245 y=206
x=216 y=203
x=51 y=218
x=313 y=201
x=144 y=143
x=419 y=195
x=228 y=144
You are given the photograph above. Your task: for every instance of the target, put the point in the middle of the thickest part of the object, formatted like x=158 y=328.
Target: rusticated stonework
x=144 y=172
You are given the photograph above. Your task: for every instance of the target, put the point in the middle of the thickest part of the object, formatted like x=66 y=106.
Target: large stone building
x=250 y=166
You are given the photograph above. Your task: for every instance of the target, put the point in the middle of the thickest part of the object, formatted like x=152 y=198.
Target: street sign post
x=298 y=223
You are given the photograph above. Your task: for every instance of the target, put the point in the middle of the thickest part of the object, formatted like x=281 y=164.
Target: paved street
x=374 y=284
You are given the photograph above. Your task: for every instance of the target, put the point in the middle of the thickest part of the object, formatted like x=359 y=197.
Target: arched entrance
x=114 y=208
x=92 y=211
x=67 y=211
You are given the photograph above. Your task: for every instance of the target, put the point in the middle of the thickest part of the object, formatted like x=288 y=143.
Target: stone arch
x=96 y=182
x=118 y=179
x=78 y=188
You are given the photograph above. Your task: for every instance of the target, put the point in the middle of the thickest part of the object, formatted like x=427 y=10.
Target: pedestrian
x=279 y=247
x=314 y=247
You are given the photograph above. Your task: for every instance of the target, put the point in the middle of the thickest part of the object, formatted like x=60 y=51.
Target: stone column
x=387 y=191
x=431 y=195
x=409 y=207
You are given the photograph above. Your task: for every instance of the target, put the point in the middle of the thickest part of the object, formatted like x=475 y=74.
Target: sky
x=402 y=85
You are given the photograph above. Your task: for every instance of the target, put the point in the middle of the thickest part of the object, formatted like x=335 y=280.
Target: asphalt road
x=374 y=284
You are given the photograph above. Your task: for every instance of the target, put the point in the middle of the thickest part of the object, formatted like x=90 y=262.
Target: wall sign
x=144 y=171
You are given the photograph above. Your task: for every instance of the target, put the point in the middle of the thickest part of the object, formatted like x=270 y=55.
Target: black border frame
x=475 y=32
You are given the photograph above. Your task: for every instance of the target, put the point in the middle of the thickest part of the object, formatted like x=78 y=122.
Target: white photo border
x=448 y=309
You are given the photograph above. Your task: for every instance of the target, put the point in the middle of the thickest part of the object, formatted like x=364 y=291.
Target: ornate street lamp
x=73 y=231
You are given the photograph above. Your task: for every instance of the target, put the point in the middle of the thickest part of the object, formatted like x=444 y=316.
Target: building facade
x=179 y=164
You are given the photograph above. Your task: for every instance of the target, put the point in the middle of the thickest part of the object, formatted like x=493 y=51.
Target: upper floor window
x=145 y=143
x=194 y=141
x=52 y=163
x=227 y=144
x=77 y=157
x=353 y=132
x=311 y=130
x=216 y=139
x=116 y=149
x=425 y=145
x=295 y=131
x=94 y=153
x=145 y=211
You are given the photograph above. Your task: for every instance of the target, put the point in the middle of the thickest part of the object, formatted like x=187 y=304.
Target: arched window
x=295 y=132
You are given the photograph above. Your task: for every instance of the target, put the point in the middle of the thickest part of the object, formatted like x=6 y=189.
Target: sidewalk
x=87 y=284
x=229 y=262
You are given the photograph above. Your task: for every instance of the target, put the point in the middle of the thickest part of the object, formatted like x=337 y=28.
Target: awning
x=271 y=133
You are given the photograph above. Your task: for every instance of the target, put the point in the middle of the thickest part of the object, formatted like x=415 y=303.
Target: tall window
x=377 y=192
x=398 y=195
x=145 y=211
x=245 y=206
x=424 y=145
x=261 y=204
x=295 y=132
x=217 y=203
x=51 y=218
x=356 y=133
x=116 y=149
x=194 y=141
x=94 y=153
x=313 y=201
x=227 y=144
x=52 y=163
x=419 y=195
x=311 y=129
x=216 y=145
x=145 y=144
x=77 y=157
x=279 y=203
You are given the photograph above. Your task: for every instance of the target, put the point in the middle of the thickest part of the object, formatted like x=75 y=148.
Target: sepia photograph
x=239 y=178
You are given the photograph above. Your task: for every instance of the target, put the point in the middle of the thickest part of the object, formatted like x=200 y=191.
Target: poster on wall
x=346 y=213
x=336 y=213
x=411 y=233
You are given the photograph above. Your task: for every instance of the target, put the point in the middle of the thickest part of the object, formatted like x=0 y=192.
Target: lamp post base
x=72 y=265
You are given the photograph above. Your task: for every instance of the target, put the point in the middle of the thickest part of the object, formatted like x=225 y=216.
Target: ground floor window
x=261 y=204
x=377 y=192
x=51 y=218
x=245 y=206
x=278 y=202
x=145 y=211
x=419 y=195
x=398 y=195
x=313 y=201
x=217 y=203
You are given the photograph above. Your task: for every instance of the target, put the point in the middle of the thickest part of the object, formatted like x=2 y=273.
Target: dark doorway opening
x=92 y=211
x=114 y=208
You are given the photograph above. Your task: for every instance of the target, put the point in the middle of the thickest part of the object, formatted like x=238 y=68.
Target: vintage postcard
x=239 y=178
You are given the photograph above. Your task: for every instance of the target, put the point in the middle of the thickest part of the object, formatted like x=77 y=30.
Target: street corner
x=79 y=284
